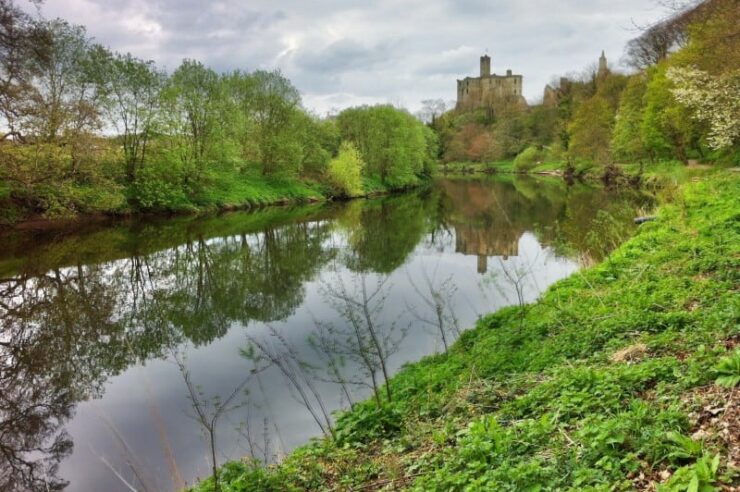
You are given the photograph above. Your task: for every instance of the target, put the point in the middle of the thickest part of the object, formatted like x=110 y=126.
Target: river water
x=114 y=336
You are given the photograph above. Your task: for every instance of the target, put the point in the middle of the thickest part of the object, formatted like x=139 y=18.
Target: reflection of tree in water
x=285 y=259
x=594 y=221
x=65 y=331
x=387 y=231
x=52 y=326
x=200 y=287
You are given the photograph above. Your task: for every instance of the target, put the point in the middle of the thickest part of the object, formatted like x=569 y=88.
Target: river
x=114 y=336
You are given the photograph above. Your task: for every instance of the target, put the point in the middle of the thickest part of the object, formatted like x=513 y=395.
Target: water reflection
x=90 y=320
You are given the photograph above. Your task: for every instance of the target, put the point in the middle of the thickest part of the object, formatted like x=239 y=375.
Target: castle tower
x=602 y=64
x=485 y=66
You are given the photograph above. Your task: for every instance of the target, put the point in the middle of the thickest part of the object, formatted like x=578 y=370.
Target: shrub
x=158 y=188
x=528 y=159
x=345 y=171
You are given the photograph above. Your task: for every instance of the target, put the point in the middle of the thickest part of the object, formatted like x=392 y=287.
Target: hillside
x=609 y=382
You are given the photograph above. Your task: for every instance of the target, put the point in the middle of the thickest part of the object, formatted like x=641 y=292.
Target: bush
x=528 y=159
x=345 y=171
x=159 y=188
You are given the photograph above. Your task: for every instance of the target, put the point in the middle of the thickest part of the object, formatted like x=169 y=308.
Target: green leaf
x=715 y=464
x=693 y=485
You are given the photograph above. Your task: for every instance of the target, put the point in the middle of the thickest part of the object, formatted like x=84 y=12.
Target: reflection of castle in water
x=487 y=219
x=484 y=242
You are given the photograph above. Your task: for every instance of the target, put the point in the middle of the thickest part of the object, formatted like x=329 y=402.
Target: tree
x=431 y=142
x=438 y=297
x=626 y=138
x=366 y=339
x=190 y=98
x=239 y=124
x=656 y=42
x=391 y=141
x=590 y=130
x=131 y=89
x=17 y=38
x=60 y=81
x=275 y=108
x=319 y=141
x=714 y=100
x=666 y=129
x=431 y=109
x=209 y=411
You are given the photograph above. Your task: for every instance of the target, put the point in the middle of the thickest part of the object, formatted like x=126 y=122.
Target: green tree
x=239 y=126
x=666 y=129
x=275 y=107
x=190 y=113
x=60 y=82
x=431 y=142
x=590 y=130
x=17 y=39
x=627 y=138
x=345 y=170
x=712 y=99
x=319 y=141
x=392 y=142
x=132 y=90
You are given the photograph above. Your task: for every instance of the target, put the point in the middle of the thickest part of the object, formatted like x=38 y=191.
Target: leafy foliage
x=528 y=159
x=393 y=144
x=698 y=477
x=345 y=171
x=728 y=370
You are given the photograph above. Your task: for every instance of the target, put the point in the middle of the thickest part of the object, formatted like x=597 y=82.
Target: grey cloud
x=341 y=52
x=344 y=55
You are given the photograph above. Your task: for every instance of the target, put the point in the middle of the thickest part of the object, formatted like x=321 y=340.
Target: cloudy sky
x=347 y=52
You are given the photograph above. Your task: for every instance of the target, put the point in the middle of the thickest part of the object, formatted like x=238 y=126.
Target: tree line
x=680 y=102
x=86 y=129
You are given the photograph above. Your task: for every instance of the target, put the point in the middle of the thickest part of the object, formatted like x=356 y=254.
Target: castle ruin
x=553 y=95
x=489 y=89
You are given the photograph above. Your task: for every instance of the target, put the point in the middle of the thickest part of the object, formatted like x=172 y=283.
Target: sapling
x=365 y=339
x=209 y=410
x=439 y=299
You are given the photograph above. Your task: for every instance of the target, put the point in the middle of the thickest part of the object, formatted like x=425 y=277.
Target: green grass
x=477 y=167
x=598 y=386
x=231 y=189
x=548 y=167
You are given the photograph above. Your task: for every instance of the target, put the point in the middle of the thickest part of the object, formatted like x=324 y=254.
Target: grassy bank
x=219 y=190
x=658 y=172
x=608 y=382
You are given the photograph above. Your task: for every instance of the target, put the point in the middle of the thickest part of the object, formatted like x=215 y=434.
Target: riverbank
x=654 y=174
x=608 y=382
x=223 y=191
